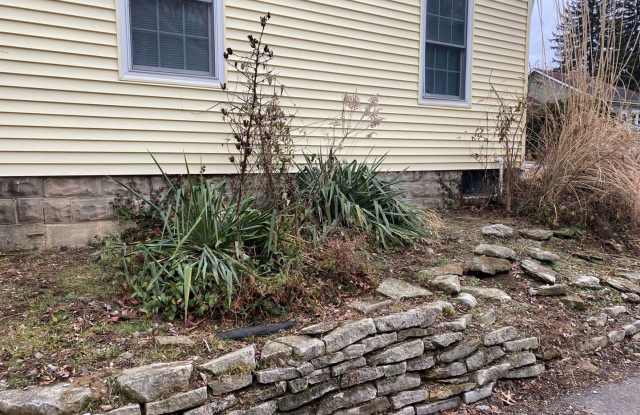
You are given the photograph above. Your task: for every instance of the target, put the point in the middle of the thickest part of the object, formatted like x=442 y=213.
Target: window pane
x=440 y=87
x=459 y=32
x=444 y=30
x=197 y=54
x=171 y=51
x=432 y=27
x=144 y=46
x=143 y=14
x=430 y=55
x=171 y=16
x=197 y=18
x=453 y=84
x=433 y=6
x=445 y=8
x=441 y=57
x=453 y=59
x=459 y=10
x=429 y=82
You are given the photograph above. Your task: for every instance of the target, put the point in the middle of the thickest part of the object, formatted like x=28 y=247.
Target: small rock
x=243 y=358
x=441 y=392
x=174 y=341
x=525 y=372
x=275 y=352
x=520 y=359
x=549 y=290
x=62 y=399
x=521 y=345
x=369 y=307
x=542 y=255
x=398 y=353
x=458 y=324
x=149 y=383
x=398 y=384
x=438 y=407
x=348 y=365
x=304 y=347
x=320 y=328
x=597 y=321
x=575 y=302
x=346 y=399
x=588 y=366
x=449 y=371
x=291 y=402
x=587 y=281
x=491 y=374
x=348 y=334
x=500 y=336
x=594 y=344
x=632 y=329
x=537 y=234
x=449 y=269
x=421 y=363
x=224 y=384
x=616 y=336
x=623 y=285
x=298 y=385
x=179 y=402
x=485 y=265
x=493 y=294
x=536 y=269
x=479 y=394
x=631 y=276
x=498 y=231
x=446 y=339
x=450 y=284
x=264 y=393
x=496 y=251
x=218 y=406
x=487 y=318
x=394 y=370
x=266 y=376
x=418 y=317
x=460 y=351
x=631 y=298
x=615 y=311
x=378 y=342
x=467 y=300
x=398 y=289
x=405 y=398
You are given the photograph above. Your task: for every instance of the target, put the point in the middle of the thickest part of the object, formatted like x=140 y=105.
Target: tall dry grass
x=589 y=170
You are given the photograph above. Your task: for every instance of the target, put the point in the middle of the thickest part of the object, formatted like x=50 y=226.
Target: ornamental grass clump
x=355 y=195
x=208 y=246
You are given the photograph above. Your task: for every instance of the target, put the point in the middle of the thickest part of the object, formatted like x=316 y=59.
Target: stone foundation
x=52 y=212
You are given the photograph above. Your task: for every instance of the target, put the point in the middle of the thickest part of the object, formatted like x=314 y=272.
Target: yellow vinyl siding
x=65 y=111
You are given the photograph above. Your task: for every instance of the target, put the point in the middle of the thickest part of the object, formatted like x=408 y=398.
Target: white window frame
x=424 y=99
x=127 y=73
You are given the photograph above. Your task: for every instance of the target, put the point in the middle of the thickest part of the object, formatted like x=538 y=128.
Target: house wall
x=64 y=110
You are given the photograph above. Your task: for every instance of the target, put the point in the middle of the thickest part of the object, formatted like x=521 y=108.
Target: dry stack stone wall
x=410 y=362
x=51 y=212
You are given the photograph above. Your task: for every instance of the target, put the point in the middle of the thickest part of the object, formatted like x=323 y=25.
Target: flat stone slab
x=244 y=358
x=537 y=234
x=486 y=265
x=398 y=289
x=542 y=255
x=63 y=399
x=498 y=230
x=539 y=271
x=320 y=328
x=449 y=269
x=370 y=306
x=496 y=251
x=494 y=294
x=450 y=284
x=623 y=285
x=549 y=290
x=631 y=276
x=304 y=347
x=175 y=341
x=179 y=402
x=347 y=334
x=149 y=383
x=587 y=282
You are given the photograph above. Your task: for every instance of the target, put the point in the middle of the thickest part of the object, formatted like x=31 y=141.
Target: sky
x=544 y=21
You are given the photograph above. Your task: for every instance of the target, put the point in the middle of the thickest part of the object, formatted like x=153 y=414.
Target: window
x=171 y=40
x=446 y=51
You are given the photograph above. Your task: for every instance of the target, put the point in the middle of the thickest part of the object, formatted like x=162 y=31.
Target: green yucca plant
x=207 y=245
x=354 y=194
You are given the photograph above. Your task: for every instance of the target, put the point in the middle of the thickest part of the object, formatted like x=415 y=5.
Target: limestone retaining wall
x=411 y=362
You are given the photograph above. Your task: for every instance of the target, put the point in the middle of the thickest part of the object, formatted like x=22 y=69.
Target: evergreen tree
x=575 y=28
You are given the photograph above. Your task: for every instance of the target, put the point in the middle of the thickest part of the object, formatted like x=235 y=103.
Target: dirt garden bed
x=66 y=318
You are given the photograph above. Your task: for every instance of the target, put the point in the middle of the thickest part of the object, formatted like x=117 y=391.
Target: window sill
x=435 y=102
x=175 y=80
